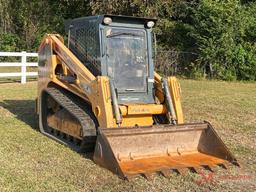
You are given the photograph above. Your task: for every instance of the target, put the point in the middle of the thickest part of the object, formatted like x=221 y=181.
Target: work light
x=150 y=24
x=107 y=20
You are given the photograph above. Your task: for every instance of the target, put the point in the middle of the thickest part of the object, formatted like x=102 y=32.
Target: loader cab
x=119 y=47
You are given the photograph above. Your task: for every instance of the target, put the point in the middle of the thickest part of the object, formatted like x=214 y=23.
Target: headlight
x=107 y=20
x=150 y=24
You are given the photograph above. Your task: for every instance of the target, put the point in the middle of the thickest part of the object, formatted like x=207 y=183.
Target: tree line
x=217 y=37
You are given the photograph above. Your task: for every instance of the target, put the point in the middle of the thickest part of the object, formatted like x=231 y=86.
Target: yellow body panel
x=175 y=91
x=100 y=100
x=137 y=109
x=137 y=120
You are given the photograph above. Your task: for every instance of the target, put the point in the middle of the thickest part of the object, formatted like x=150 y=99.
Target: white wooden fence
x=23 y=64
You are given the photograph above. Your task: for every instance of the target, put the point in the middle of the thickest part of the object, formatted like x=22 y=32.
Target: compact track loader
x=100 y=93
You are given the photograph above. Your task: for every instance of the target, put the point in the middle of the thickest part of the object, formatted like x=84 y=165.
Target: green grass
x=30 y=161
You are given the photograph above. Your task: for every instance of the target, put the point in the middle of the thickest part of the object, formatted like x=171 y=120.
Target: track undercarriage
x=64 y=120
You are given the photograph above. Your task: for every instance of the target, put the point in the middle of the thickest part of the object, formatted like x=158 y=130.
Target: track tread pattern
x=80 y=111
x=68 y=103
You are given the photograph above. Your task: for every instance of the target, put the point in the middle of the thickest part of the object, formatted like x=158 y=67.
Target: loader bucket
x=160 y=149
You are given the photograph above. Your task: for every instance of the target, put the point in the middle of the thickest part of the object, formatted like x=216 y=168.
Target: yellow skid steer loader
x=100 y=93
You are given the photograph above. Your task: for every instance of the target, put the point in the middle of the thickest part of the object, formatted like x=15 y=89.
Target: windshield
x=127 y=58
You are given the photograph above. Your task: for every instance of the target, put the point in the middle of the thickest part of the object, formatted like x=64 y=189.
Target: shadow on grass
x=24 y=110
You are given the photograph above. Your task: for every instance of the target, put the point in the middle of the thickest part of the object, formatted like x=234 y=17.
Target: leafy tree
x=221 y=31
x=8 y=42
x=207 y=38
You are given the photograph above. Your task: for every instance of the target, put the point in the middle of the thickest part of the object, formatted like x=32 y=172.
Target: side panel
x=101 y=102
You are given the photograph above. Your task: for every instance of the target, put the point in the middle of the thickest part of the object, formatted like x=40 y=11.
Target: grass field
x=30 y=161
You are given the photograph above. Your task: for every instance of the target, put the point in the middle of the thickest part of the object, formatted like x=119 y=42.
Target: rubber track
x=76 y=108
